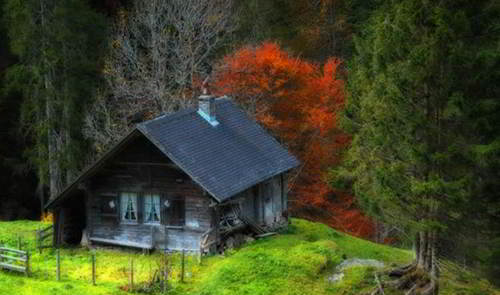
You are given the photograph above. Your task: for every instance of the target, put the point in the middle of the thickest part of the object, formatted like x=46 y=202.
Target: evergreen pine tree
x=58 y=44
x=421 y=86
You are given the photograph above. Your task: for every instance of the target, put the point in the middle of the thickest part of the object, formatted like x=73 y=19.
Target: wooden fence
x=15 y=260
x=41 y=237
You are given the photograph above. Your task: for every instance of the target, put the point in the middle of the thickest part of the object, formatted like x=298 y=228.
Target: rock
x=336 y=277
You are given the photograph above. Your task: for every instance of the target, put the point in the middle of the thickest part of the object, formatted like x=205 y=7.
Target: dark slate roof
x=224 y=159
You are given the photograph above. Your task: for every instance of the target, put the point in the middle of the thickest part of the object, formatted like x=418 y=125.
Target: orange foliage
x=297 y=101
x=47 y=217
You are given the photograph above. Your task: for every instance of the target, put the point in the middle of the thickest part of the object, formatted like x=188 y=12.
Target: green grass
x=297 y=261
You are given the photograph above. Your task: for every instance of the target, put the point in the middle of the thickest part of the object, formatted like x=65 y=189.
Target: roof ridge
x=169 y=117
x=180 y=113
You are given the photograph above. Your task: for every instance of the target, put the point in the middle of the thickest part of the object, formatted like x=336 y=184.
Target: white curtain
x=147 y=208
x=152 y=208
x=156 y=202
x=128 y=203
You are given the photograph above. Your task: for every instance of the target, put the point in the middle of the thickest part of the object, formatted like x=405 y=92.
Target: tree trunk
x=54 y=172
x=40 y=193
x=420 y=277
x=52 y=148
x=427 y=260
x=417 y=248
x=425 y=250
x=421 y=260
x=53 y=162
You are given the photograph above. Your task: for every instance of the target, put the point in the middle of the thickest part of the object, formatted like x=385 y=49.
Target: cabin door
x=267 y=196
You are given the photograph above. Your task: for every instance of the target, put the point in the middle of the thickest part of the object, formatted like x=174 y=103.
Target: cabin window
x=108 y=205
x=173 y=210
x=129 y=207
x=151 y=208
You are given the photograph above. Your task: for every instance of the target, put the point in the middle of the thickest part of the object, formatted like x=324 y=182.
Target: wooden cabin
x=187 y=180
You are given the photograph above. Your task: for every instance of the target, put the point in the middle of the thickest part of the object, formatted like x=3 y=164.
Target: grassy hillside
x=298 y=261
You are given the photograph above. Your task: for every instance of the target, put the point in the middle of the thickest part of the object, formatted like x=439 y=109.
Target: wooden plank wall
x=284 y=193
x=277 y=198
x=142 y=168
x=253 y=203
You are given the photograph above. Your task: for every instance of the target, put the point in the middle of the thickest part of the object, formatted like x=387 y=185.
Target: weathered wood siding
x=265 y=202
x=248 y=205
x=141 y=168
x=272 y=200
x=284 y=192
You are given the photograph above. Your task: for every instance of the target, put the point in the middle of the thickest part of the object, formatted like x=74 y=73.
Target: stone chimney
x=206 y=105
x=206 y=108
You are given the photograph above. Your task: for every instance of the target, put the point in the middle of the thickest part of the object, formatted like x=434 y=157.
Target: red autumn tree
x=297 y=101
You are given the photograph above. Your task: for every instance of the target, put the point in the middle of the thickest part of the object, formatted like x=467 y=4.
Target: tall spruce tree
x=422 y=87
x=58 y=44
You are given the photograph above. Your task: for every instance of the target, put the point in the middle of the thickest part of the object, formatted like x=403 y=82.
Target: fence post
x=131 y=274
x=19 y=242
x=58 y=265
x=27 y=263
x=93 y=267
x=46 y=271
x=165 y=273
x=182 y=265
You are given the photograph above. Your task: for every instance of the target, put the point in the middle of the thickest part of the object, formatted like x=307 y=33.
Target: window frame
x=151 y=196
x=136 y=211
x=103 y=203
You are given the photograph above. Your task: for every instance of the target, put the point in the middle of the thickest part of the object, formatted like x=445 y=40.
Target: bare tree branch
x=160 y=52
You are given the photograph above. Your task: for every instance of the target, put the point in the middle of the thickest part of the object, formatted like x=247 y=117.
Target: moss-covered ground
x=297 y=261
